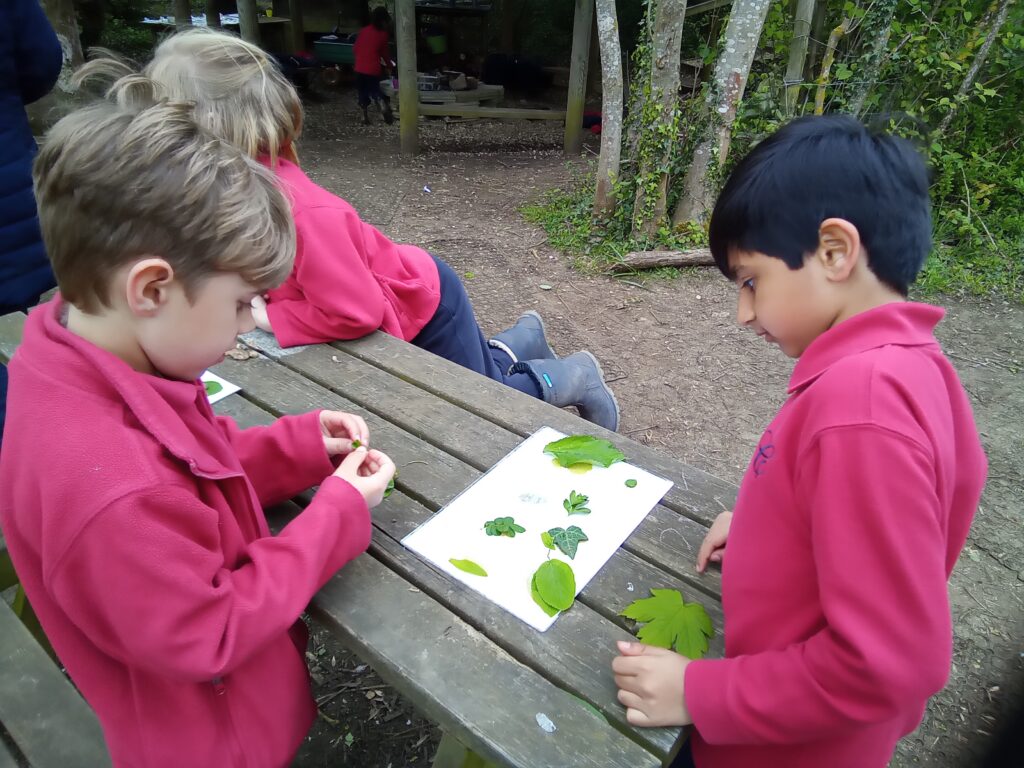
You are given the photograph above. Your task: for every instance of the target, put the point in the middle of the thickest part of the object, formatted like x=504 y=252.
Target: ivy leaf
x=568 y=539
x=468 y=566
x=556 y=584
x=583 y=449
x=670 y=622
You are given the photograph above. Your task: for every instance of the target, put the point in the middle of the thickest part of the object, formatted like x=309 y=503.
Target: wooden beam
x=182 y=13
x=213 y=14
x=582 y=22
x=298 y=29
x=408 y=95
x=248 y=21
x=502 y=113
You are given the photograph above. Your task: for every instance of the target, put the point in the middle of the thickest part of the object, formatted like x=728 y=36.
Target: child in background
x=371 y=51
x=858 y=499
x=349 y=279
x=133 y=515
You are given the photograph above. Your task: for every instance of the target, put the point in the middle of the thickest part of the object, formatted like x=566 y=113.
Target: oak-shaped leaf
x=670 y=622
x=568 y=539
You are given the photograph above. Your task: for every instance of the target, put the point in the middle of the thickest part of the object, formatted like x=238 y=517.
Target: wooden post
x=182 y=13
x=408 y=95
x=298 y=29
x=582 y=21
x=798 y=52
x=213 y=14
x=248 y=21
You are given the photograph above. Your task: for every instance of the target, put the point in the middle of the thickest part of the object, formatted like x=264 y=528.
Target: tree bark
x=248 y=21
x=62 y=99
x=658 y=113
x=583 y=20
x=976 y=65
x=182 y=13
x=798 y=52
x=637 y=260
x=878 y=24
x=730 y=79
x=826 y=64
x=213 y=14
x=611 y=108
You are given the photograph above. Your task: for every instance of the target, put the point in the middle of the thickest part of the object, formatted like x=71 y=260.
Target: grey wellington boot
x=525 y=340
x=575 y=380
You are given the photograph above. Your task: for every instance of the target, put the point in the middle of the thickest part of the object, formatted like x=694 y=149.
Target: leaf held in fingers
x=670 y=622
x=583 y=449
x=556 y=584
x=468 y=566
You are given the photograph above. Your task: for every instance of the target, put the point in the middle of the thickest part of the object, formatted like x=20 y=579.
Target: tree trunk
x=658 y=115
x=61 y=100
x=977 y=64
x=213 y=14
x=798 y=52
x=730 y=79
x=583 y=20
x=817 y=33
x=611 y=108
x=182 y=13
x=248 y=21
x=877 y=25
x=826 y=64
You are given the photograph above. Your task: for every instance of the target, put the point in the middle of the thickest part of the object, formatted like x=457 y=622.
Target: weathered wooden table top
x=483 y=675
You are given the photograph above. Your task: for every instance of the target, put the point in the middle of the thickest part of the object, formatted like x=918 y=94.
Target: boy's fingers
x=354 y=460
x=629 y=699
x=636 y=717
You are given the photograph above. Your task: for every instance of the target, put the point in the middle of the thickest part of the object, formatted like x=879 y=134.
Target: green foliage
x=554 y=586
x=567 y=539
x=672 y=623
x=631 y=483
x=212 y=387
x=576 y=504
x=468 y=566
x=503 y=526
x=583 y=449
x=545 y=537
x=119 y=35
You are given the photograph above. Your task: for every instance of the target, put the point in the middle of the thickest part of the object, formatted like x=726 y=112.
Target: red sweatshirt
x=349 y=280
x=134 y=519
x=834 y=586
x=370 y=47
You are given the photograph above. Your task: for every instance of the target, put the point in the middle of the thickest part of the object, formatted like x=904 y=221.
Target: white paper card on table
x=528 y=486
x=216 y=387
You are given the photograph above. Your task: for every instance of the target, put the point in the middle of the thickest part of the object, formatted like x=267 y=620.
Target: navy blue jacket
x=30 y=61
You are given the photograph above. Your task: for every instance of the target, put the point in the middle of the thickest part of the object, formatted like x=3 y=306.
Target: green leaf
x=212 y=387
x=356 y=444
x=631 y=483
x=670 y=622
x=468 y=566
x=583 y=449
x=546 y=538
x=391 y=486
x=568 y=540
x=556 y=584
x=550 y=611
x=576 y=504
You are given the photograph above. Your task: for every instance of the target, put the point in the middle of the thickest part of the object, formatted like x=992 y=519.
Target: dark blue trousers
x=453 y=334
x=3 y=400
x=685 y=757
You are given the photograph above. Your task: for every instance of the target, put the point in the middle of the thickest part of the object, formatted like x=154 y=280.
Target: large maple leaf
x=670 y=622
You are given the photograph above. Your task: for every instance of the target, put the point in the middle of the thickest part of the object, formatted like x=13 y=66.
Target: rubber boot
x=385 y=111
x=366 y=115
x=525 y=340
x=575 y=380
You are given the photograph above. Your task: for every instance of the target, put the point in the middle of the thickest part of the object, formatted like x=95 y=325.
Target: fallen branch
x=637 y=260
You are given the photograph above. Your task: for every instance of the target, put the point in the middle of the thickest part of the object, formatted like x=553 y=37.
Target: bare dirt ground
x=690 y=382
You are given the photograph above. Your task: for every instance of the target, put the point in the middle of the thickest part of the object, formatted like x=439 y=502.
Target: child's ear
x=839 y=248
x=148 y=286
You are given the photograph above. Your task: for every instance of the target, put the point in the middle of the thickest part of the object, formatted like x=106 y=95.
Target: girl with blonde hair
x=349 y=279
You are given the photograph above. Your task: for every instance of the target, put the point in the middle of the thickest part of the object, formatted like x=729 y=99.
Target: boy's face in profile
x=788 y=307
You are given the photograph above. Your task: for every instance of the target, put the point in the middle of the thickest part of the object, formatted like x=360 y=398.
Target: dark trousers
x=453 y=334
x=685 y=757
x=3 y=400
x=369 y=89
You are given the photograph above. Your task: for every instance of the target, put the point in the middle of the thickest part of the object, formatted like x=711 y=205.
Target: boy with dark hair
x=858 y=498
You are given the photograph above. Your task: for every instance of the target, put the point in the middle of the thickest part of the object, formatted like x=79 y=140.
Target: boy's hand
x=259 y=314
x=341 y=430
x=713 y=548
x=368 y=472
x=650 y=682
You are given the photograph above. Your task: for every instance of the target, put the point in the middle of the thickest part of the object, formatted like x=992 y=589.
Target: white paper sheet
x=212 y=381
x=529 y=487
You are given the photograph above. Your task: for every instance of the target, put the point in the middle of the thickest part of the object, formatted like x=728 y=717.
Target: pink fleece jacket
x=349 y=280
x=849 y=519
x=134 y=518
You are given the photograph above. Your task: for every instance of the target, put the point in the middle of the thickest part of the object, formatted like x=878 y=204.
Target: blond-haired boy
x=134 y=515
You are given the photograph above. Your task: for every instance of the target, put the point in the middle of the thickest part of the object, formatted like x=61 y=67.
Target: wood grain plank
x=40 y=709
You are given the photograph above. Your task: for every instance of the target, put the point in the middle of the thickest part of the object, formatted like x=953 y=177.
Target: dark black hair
x=816 y=168
x=380 y=17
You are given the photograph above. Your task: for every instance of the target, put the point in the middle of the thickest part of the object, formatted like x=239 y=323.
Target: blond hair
x=239 y=92
x=115 y=184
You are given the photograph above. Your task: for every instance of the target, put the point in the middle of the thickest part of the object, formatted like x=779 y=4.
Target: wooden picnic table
x=487 y=678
